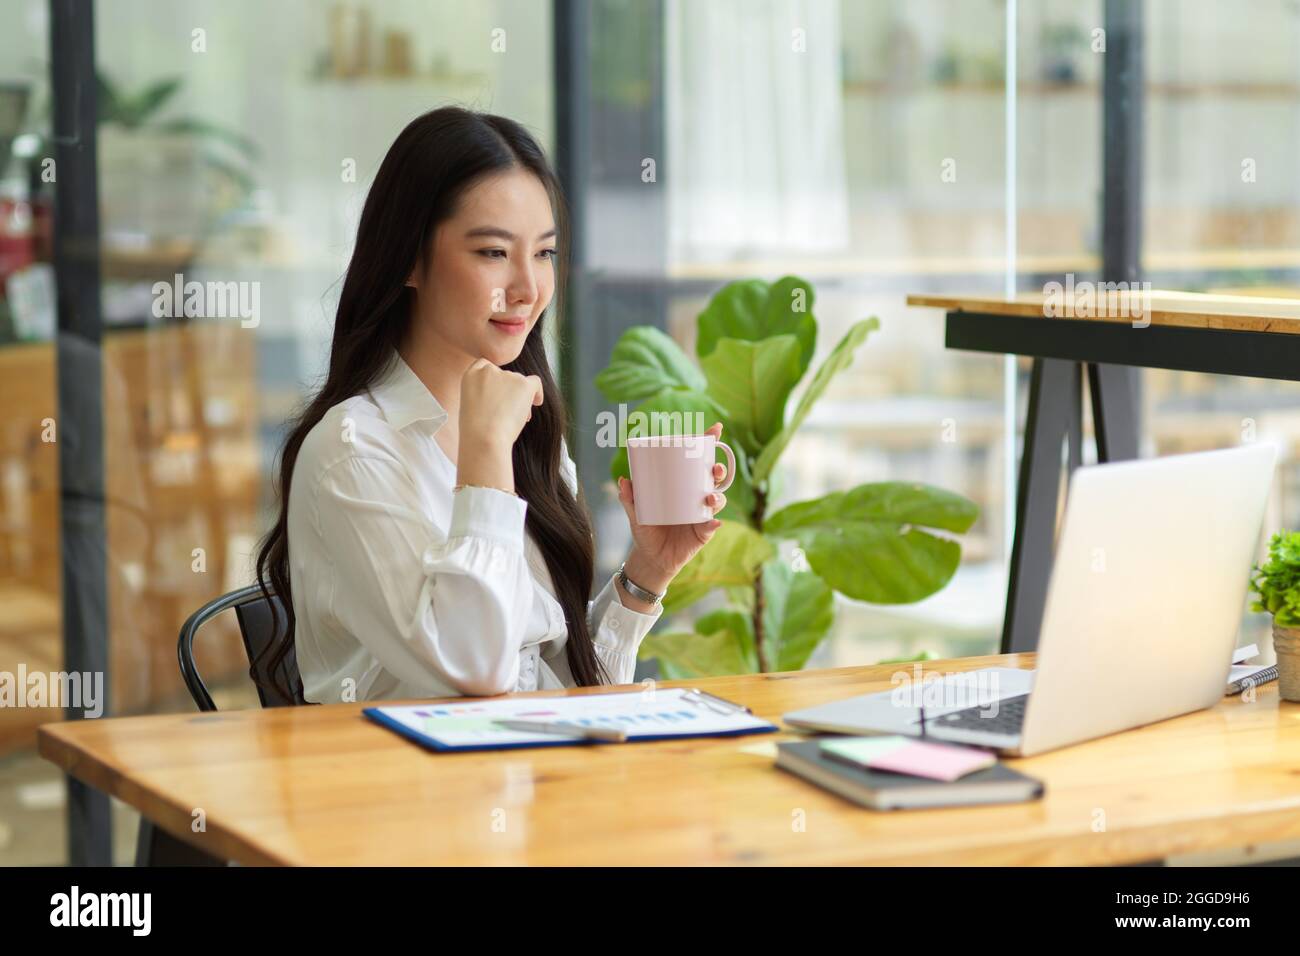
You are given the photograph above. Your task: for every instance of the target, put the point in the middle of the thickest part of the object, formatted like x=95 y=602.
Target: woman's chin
x=502 y=355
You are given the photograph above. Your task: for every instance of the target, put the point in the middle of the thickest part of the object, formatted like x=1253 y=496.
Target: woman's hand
x=660 y=551
x=495 y=404
x=494 y=407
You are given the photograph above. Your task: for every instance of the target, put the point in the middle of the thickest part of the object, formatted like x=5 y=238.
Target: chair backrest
x=253 y=611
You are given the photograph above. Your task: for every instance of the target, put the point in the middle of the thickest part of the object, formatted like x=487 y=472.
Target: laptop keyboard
x=1008 y=720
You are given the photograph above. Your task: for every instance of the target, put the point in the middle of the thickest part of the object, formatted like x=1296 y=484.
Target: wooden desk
x=1191 y=310
x=323 y=785
x=1107 y=338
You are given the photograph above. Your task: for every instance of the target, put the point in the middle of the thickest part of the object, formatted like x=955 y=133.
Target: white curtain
x=755 y=128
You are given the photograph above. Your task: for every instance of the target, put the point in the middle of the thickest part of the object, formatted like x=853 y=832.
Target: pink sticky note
x=936 y=761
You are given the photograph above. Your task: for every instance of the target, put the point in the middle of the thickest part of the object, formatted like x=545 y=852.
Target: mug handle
x=731 y=466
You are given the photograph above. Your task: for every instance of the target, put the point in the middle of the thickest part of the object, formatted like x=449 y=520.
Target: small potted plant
x=1277 y=583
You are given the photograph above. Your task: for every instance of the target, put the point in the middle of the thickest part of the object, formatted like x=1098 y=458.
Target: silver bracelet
x=638 y=592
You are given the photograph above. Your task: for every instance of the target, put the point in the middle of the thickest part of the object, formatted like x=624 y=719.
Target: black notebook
x=882 y=790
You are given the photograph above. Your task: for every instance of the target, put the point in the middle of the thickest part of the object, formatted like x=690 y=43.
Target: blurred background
x=235 y=141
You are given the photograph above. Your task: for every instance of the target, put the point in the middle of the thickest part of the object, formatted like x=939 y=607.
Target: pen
x=568 y=730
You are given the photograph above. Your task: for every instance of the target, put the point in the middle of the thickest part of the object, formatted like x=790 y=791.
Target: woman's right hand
x=495 y=404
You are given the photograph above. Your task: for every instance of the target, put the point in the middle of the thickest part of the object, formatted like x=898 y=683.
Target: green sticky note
x=864 y=749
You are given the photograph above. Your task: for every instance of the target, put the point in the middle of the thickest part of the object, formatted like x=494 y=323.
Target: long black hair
x=430 y=165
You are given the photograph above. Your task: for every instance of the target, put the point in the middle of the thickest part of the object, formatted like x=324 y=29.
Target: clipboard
x=661 y=714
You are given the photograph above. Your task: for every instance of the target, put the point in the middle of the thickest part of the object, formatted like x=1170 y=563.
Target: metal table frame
x=1110 y=354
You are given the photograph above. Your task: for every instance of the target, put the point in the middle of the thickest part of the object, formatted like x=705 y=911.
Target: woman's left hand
x=660 y=551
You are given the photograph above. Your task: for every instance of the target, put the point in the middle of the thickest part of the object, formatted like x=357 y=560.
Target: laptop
x=1147 y=591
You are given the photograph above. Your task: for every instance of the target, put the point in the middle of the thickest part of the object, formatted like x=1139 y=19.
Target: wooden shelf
x=157 y=385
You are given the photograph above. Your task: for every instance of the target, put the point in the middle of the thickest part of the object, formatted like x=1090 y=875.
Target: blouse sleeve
x=454 y=607
x=616 y=630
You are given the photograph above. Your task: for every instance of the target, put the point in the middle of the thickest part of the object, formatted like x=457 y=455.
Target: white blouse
x=404 y=588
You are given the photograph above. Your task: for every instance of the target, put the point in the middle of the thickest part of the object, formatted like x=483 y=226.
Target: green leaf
x=193 y=126
x=644 y=362
x=1277 y=581
x=723 y=643
x=741 y=597
x=887 y=567
x=107 y=98
x=134 y=110
x=841 y=357
x=753 y=310
x=740 y=495
x=752 y=381
x=893 y=503
x=731 y=558
x=867 y=544
x=921 y=656
x=798 y=611
x=740 y=629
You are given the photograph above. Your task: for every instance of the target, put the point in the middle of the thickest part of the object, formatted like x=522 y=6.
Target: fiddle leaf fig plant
x=881 y=542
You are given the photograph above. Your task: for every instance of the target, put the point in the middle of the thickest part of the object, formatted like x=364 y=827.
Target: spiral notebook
x=1242 y=675
x=1249 y=675
x=649 y=714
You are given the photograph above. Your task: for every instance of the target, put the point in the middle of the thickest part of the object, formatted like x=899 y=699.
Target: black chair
x=253 y=611
x=155 y=846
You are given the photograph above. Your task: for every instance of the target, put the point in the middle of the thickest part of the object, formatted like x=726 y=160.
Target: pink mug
x=672 y=476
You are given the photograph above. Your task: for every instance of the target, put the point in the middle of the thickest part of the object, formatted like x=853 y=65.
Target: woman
x=432 y=537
